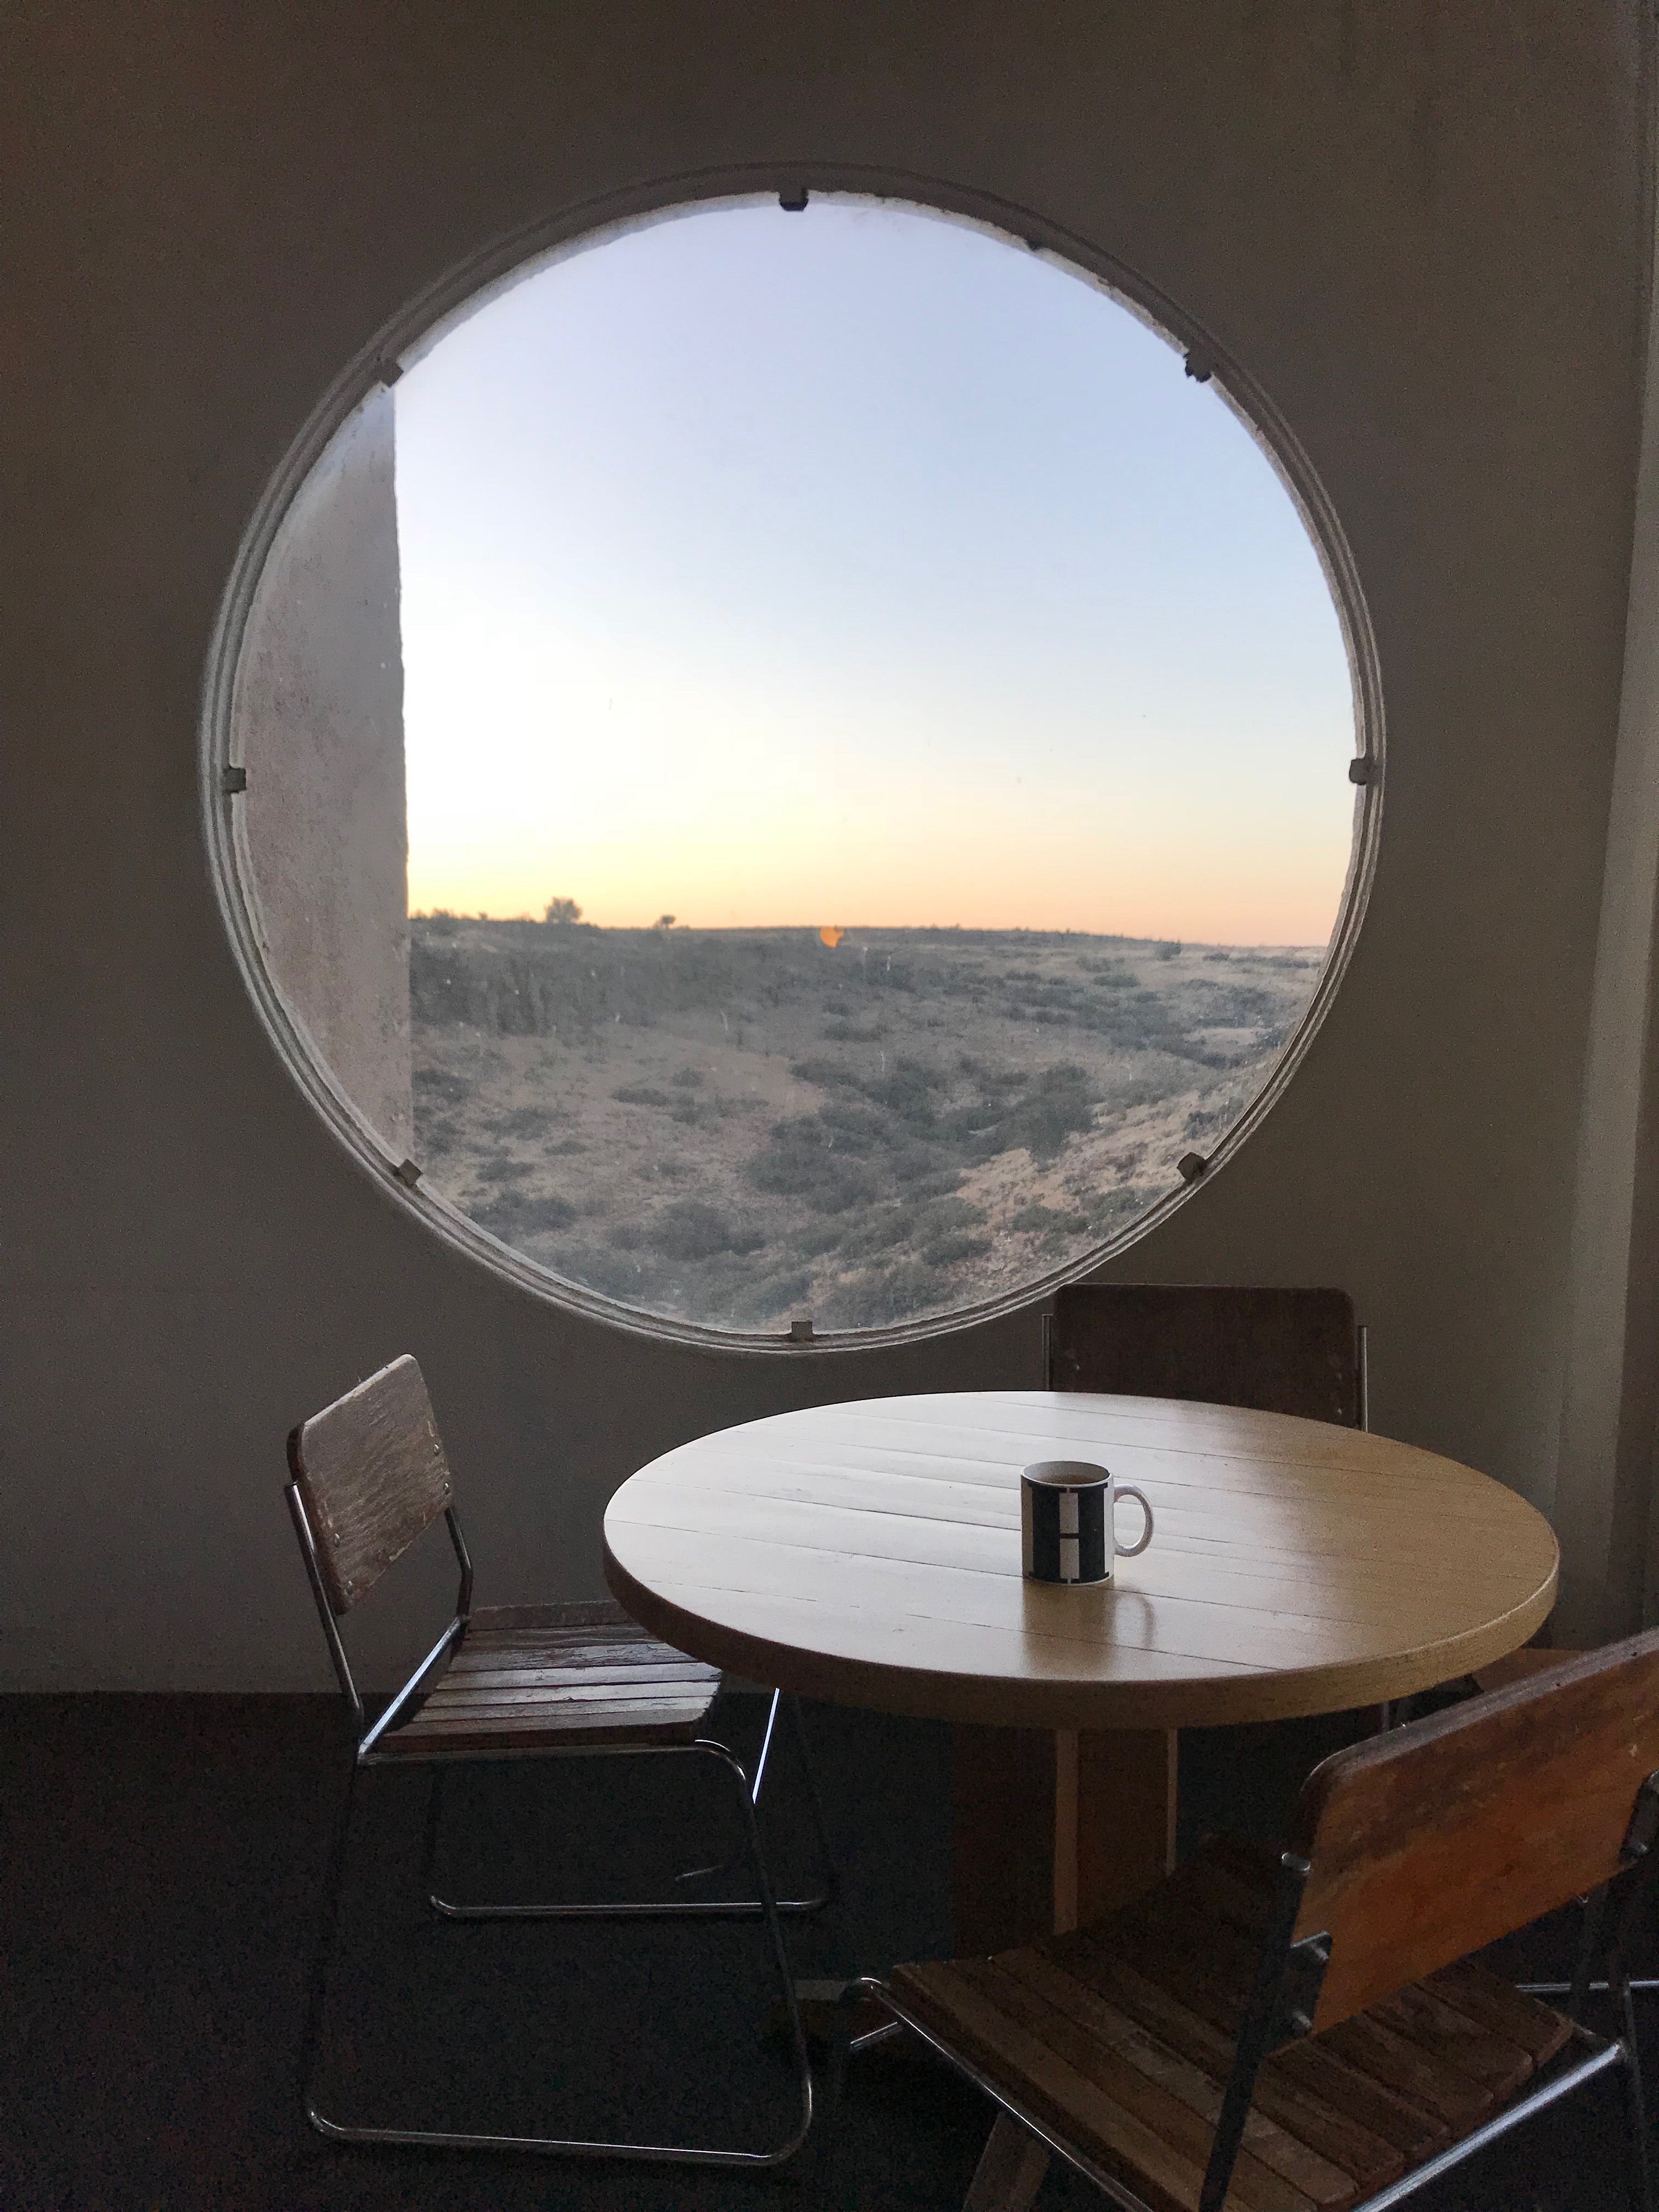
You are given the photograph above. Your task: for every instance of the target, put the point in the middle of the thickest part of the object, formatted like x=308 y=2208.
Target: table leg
x=1053 y=1827
x=1011 y=2170
x=1124 y=1838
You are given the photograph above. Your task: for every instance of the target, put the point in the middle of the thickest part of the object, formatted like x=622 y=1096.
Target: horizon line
x=883 y=929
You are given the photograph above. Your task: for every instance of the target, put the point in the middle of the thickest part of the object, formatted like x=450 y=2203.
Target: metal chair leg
x=815 y=1808
x=770 y=1911
x=434 y=1809
x=455 y=2139
x=1639 y=2152
x=767 y=1733
x=814 y=1803
x=836 y=2182
x=665 y=1909
x=1614 y=1981
x=317 y=1991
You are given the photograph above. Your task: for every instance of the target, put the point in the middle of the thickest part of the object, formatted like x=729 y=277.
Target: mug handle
x=1133 y=1551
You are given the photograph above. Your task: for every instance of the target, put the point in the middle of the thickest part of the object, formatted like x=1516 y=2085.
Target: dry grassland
x=741 y=1127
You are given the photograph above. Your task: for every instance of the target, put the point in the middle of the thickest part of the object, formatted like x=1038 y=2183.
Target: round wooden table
x=870 y=1553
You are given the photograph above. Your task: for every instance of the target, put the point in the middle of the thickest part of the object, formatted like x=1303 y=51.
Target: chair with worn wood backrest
x=1270 y=1350
x=1310 y=2031
x=1273 y=1351
x=369 y=1477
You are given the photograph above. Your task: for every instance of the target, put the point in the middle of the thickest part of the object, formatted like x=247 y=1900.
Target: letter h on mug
x=1066 y=1518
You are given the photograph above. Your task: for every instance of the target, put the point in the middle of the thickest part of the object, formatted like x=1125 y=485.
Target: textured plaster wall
x=1420 y=225
x=317 y=725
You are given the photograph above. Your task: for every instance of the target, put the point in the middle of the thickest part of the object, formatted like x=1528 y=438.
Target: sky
x=853 y=567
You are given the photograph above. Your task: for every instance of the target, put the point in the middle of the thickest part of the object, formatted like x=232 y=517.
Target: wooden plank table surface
x=870 y=1553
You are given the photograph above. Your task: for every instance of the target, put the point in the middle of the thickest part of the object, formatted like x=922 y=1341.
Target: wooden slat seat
x=529 y=1679
x=1120 y=2037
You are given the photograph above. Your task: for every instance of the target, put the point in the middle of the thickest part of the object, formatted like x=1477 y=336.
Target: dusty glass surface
x=875 y=735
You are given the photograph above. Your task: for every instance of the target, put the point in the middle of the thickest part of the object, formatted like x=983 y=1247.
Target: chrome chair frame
x=1281 y=2010
x=676 y=1909
x=365 y=1740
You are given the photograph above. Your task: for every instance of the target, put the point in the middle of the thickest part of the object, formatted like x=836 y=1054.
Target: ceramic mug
x=1067 y=1519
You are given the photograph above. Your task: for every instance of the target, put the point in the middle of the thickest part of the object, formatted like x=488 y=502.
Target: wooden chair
x=1273 y=1351
x=1282 y=2034
x=1276 y=1351
x=369 y=1476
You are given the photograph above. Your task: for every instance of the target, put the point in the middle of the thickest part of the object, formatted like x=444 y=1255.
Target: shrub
x=773 y=1296
x=1048 y=1217
x=514 y=1213
x=691 y=1229
x=441 y=1087
x=938 y=1184
x=908 y=1091
x=851 y=1126
x=897 y=1292
x=1056 y=1106
x=952 y=1251
x=826 y=1074
x=798 y=1162
x=642 y=1094
x=949 y=1213
x=917 y=1168
x=521 y=1122
x=539 y=1215
x=877 y=1231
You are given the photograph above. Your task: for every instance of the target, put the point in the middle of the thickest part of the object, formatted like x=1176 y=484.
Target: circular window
x=791 y=770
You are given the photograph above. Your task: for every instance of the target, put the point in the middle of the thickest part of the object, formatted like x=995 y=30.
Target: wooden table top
x=870 y=1553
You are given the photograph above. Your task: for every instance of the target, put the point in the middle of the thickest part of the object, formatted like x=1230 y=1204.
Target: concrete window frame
x=419 y=326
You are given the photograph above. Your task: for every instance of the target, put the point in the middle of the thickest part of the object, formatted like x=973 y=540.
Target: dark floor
x=162 y=1860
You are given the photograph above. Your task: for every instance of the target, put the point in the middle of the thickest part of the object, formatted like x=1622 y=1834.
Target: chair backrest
x=1275 y=1352
x=1428 y=1842
x=372 y=1475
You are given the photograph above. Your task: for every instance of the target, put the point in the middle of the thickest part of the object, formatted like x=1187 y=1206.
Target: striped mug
x=1067 y=1519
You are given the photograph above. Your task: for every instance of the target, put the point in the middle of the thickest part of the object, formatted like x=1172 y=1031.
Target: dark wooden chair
x=1309 y=2030
x=369 y=1476
x=1272 y=1350
x=1275 y=1352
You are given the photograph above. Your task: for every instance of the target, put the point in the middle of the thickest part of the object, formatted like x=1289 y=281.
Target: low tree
x=562 y=910
x=664 y=922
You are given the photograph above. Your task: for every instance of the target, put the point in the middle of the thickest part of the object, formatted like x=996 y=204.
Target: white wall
x=317 y=726
x=1421 y=229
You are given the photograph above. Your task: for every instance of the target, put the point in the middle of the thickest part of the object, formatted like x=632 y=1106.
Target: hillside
x=744 y=1126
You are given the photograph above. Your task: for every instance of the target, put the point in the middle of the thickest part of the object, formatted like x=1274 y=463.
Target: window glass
x=873 y=741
